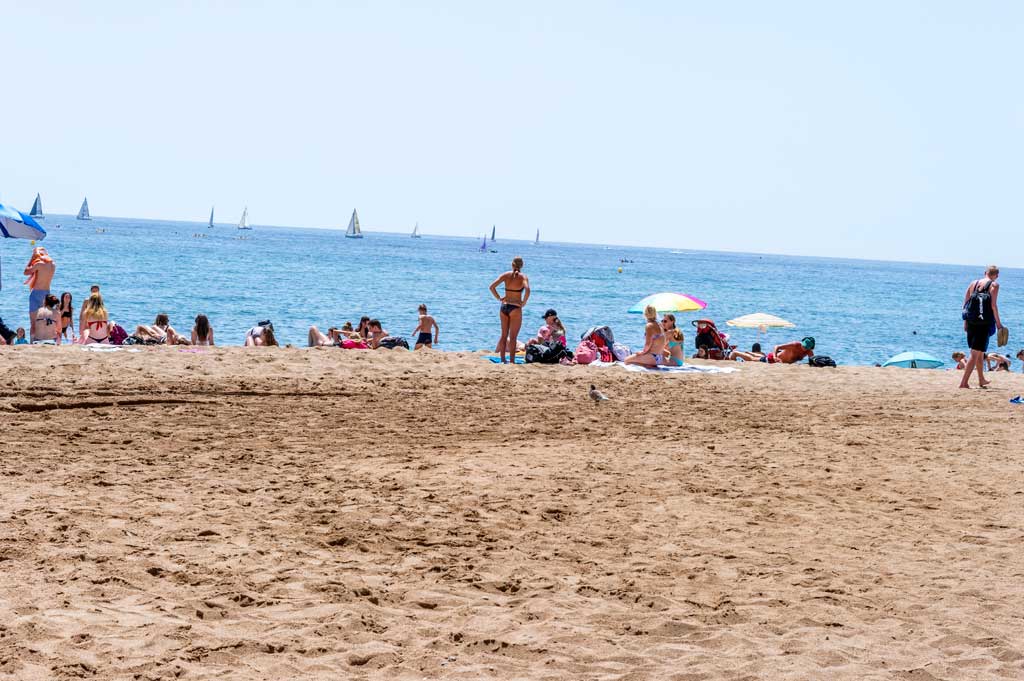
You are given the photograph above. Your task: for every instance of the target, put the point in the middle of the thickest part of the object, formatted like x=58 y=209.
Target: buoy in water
x=620 y=270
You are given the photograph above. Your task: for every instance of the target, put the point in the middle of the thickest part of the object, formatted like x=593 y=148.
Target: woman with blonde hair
x=517 y=292
x=653 y=353
x=95 y=325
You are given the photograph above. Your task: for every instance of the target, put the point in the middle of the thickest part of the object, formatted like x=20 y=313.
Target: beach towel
x=497 y=360
x=39 y=255
x=99 y=347
x=685 y=369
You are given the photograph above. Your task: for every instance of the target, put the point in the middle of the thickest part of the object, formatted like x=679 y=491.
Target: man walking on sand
x=981 y=320
x=40 y=270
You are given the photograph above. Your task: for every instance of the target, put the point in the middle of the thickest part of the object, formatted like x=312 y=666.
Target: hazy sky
x=887 y=130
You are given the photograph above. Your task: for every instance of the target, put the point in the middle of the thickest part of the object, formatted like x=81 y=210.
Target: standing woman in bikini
x=517 y=292
x=66 y=310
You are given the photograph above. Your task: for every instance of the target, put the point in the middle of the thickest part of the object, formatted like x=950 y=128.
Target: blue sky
x=889 y=130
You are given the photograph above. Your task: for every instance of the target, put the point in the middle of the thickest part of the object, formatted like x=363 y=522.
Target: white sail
x=211 y=216
x=83 y=212
x=492 y=233
x=244 y=222
x=353 y=231
x=537 y=239
x=37 y=209
x=416 y=231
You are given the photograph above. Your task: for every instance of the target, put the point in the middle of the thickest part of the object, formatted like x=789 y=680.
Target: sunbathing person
x=996 y=362
x=960 y=359
x=551 y=331
x=261 y=336
x=202 y=332
x=653 y=353
x=755 y=354
x=46 y=326
x=375 y=333
x=675 y=355
x=94 y=324
x=161 y=333
x=791 y=353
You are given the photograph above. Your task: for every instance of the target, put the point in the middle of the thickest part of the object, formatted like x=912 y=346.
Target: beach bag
x=602 y=332
x=978 y=308
x=821 y=361
x=545 y=353
x=117 y=334
x=586 y=352
x=620 y=352
x=392 y=342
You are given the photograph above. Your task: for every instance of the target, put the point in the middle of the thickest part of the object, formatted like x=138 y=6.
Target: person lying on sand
x=161 y=332
x=791 y=353
x=261 y=336
x=375 y=333
x=755 y=354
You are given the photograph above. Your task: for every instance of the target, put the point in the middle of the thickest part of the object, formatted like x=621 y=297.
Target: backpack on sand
x=821 y=361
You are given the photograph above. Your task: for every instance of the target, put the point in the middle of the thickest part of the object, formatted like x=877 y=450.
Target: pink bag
x=586 y=352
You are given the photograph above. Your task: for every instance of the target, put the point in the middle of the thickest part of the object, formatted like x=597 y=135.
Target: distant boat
x=37 y=209
x=353 y=231
x=536 y=240
x=416 y=231
x=211 y=216
x=492 y=234
x=244 y=222
x=83 y=212
x=483 y=246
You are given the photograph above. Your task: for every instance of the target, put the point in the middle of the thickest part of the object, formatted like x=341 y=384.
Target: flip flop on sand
x=1016 y=400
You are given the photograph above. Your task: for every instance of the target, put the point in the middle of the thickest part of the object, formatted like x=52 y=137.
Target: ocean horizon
x=859 y=311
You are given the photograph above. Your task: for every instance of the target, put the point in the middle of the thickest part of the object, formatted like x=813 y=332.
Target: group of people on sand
x=370 y=334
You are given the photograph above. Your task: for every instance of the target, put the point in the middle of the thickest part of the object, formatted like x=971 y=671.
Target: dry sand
x=321 y=514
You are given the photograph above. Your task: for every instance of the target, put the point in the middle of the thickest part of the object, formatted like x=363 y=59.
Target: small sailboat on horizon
x=211 y=217
x=416 y=232
x=37 y=209
x=244 y=222
x=492 y=233
x=536 y=240
x=83 y=212
x=353 y=231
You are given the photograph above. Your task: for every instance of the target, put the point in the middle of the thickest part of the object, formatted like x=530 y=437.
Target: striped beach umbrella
x=669 y=302
x=17 y=225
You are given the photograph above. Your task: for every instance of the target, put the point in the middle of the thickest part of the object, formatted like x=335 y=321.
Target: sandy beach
x=322 y=514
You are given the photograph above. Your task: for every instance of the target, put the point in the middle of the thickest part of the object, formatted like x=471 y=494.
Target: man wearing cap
x=791 y=353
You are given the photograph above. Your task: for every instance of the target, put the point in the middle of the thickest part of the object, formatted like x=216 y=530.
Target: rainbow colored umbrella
x=669 y=302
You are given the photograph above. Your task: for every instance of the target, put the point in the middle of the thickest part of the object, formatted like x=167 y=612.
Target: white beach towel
x=96 y=347
x=685 y=369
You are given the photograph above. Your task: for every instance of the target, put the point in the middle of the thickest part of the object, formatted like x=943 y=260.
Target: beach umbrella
x=16 y=225
x=669 y=302
x=760 y=321
x=914 y=360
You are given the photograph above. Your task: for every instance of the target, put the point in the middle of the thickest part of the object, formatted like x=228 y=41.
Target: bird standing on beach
x=596 y=394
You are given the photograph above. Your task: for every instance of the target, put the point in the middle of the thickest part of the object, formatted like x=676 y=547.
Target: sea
x=860 y=312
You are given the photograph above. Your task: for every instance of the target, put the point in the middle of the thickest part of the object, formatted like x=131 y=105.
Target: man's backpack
x=978 y=308
x=821 y=361
x=117 y=335
x=545 y=353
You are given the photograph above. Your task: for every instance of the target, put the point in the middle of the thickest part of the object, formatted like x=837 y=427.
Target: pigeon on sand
x=596 y=394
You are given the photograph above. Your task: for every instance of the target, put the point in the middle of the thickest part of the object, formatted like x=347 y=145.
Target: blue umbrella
x=914 y=360
x=16 y=225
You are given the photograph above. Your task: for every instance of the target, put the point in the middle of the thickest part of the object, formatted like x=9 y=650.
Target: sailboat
x=83 y=212
x=483 y=246
x=416 y=231
x=353 y=231
x=244 y=222
x=536 y=240
x=211 y=217
x=37 y=209
x=492 y=234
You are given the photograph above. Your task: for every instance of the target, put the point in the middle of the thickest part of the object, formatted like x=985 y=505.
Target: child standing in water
x=423 y=328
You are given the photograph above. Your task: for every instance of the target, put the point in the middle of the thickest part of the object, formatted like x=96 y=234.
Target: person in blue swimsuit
x=655 y=344
x=517 y=292
x=674 y=355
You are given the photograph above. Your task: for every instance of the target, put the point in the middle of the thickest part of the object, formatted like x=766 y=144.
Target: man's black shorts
x=977 y=337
